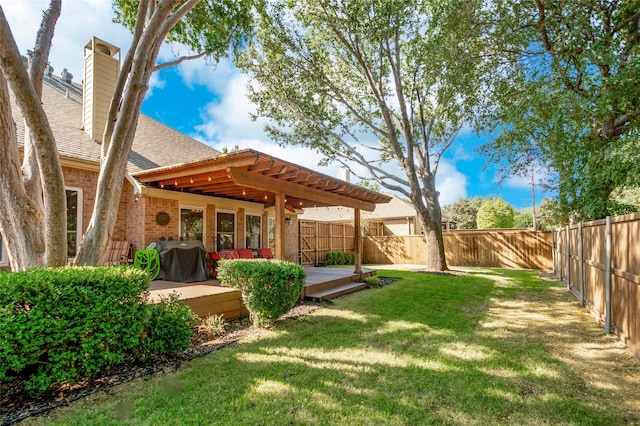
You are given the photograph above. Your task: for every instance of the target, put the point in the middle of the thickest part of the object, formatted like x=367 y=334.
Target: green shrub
x=168 y=327
x=269 y=288
x=340 y=258
x=62 y=324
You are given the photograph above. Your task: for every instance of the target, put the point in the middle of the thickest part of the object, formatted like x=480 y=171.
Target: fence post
x=553 y=252
x=607 y=278
x=559 y=255
x=568 y=258
x=580 y=260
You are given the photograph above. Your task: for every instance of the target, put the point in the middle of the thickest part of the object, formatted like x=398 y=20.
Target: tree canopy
x=495 y=213
x=380 y=84
x=566 y=95
x=463 y=212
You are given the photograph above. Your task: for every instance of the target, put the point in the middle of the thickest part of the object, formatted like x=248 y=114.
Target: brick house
x=177 y=187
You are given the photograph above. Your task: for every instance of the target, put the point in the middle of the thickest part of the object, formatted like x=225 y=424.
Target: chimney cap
x=98 y=45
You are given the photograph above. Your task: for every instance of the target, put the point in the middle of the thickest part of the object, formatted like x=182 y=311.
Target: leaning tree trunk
x=34 y=228
x=142 y=58
x=22 y=222
x=431 y=221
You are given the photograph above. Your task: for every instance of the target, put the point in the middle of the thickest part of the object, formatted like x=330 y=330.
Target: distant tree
x=549 y=215
x=463 y=212
x=495 y=213
x=369 y=185
x=523 y=220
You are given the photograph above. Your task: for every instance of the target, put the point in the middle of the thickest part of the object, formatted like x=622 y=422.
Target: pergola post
x=357 y=242
x=280 y=222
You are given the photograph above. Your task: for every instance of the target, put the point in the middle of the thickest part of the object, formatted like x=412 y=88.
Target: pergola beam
x=273 y=185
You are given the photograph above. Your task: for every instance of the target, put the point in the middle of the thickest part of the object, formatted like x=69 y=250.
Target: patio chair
x=228 y=254
x=245 y=253
x=119 y=253
x=265 y=253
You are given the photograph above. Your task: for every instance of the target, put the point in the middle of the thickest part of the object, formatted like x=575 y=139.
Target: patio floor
x=209 y=297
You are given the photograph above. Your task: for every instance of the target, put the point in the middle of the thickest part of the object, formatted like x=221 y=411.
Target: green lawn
x=422 y=350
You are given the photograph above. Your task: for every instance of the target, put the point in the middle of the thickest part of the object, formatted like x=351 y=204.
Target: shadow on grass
x=424 y=350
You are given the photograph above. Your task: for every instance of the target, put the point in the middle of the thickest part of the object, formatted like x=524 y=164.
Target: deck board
x=210 y=297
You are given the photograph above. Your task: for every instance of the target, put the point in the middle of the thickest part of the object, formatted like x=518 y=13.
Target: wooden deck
x=209 y=297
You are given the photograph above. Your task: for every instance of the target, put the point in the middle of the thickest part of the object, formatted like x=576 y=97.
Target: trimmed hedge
x=269 y=288
x=340 y=258
x=66 y=323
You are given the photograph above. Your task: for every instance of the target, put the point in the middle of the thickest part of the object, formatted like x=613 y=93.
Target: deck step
x=339 y=290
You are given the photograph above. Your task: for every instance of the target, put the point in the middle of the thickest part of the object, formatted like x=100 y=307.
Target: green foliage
x=369 y=83
x=167 y=327
x=372 y=185
x=566 y=97
x=523 y=220
x=549 y=216
x=66 y=323
x=464 y=212
x=269 y=288
x=212 y=26
x=495 y=213
x=340 y=258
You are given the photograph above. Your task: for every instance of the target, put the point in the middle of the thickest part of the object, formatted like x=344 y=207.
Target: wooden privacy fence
x=600 y=263
x=319 y=238
x=505 y=248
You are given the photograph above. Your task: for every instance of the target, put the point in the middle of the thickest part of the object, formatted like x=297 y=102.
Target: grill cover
x=183 y=261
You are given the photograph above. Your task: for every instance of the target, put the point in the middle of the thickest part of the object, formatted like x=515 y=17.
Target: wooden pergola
x=249 y=175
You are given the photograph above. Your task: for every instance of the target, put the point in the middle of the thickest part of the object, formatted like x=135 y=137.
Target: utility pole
x=533 y=199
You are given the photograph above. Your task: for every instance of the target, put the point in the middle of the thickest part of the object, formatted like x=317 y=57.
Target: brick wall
x=152 y=230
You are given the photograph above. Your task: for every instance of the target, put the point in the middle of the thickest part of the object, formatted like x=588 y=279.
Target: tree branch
x=178 y=61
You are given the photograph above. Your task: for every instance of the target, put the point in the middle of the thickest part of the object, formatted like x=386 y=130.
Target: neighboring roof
x=396 y=208
x=250 y=175
x=155 y=144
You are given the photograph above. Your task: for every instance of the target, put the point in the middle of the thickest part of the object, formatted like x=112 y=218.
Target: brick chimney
x=101 y=68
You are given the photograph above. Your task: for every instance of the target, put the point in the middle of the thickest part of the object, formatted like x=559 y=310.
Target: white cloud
x=451 y=183
x=78 y=22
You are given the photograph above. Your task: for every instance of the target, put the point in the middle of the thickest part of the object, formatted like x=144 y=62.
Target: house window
x=74 y=220
x=225 y=230
x=191 y=224
x=253 y=231
x=3 y=254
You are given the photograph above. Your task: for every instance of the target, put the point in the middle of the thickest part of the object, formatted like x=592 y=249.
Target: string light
x=191 y=180
x=244 y=192
x=161 y=185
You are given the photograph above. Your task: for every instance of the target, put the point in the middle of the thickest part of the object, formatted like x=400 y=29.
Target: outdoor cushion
x=245 y=253
x=228 y=254
x=265 y=253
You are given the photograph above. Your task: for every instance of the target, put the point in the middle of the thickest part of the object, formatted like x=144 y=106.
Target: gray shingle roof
x=155 y=144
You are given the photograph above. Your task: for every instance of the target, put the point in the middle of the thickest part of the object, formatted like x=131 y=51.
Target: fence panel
x=624 y=264
x=495 y=248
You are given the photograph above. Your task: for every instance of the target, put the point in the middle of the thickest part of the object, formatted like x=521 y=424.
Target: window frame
x=204 y=222
x=248 y=234
x=79 y=228
x=235 y=228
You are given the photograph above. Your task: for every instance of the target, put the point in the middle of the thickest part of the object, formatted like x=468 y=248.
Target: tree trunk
x=22 y=222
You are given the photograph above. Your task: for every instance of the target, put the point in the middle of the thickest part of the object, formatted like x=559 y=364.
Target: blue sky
x=209 y=104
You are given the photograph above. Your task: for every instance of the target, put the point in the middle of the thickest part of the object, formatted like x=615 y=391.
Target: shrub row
x=63 y=324
x=340 y=258
x=269 y=288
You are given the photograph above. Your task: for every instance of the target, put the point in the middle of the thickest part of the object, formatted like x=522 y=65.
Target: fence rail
x=599 y=261
x=505 y=248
